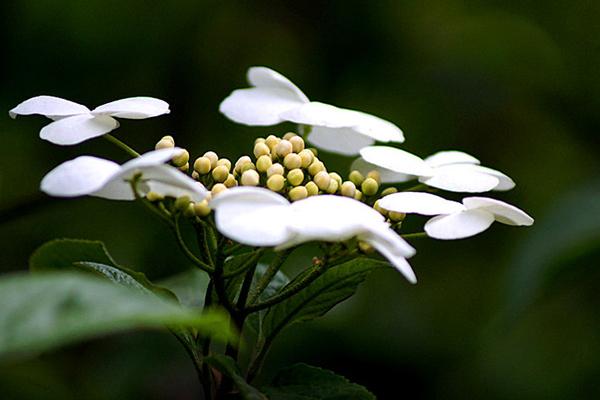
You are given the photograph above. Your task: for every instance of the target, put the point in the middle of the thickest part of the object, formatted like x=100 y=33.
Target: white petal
x=461 y=178
x=399 y=262
x=49 y=106
x=78 y=128
x=459 y=225
x=169 y=181
x=344 y=141
x=151 y=158
x=396 y=160
x=134 y=108
x=506 y=183
x=266 y=77
x=450 y=157
x=503 y=212
x=80 y=176
x=387 y=176
x=419 y=203
x=377 y=128
x=258 y=106
x=253 y=216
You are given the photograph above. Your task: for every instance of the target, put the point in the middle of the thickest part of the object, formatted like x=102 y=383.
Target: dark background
x=510 y=314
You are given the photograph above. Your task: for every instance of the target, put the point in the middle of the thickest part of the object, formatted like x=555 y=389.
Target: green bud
x=356 y=177
x=217 y=188
x=220 y=173
x=230 y=181
x=369 y=187
x=312 y=188
x=195 y=175
x=185 y=167
x=275 y=169
x=167 y=142
x=289 y=135
x=272 y=142
x=261 y=149
x=153 y=196
x=182 y=203
x=263 y=163
x=276 y=182
x=333 y=186
x=250 y=178
x=307 y=158
x=382 y=211
x=366 y=247
x=240 y=162
x=259 y=140
x=358 y=195
x=292 y=161
x=298 y=193
x=389 y=190
x=225 y=162
x=297 y=144
x=337 y=177
x=201 y=209
x=247 y=167
x=375 y=175
x=396 y=216
x=295 y=177
x=348 y=189
x=189 y=211
x=314 y=151
x=213 y=157
x=283 y=148
x=202 y=165
x=322 y=180
x=316 y=167
x=181 y=158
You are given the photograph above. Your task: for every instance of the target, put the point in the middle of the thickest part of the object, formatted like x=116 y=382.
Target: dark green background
x=510 y=314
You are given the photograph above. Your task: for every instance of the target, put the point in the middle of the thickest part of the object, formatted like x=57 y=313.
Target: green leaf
x=304 y=382
x=280 y=279
x=113 y=274
x=41 y=311
x=235 y=263
x=189 y=287
x=229 y=368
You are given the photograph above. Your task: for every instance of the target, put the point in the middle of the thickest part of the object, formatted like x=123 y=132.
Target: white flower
x=453 y=171
x=455 y=220
x=98 y=177
x=260 y=217
x=273 y=99
x=75 y=123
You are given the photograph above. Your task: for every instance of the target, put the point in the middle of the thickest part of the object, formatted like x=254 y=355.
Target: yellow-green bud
x=185 y=167
x=292 y=161
x=314 y=151
x=153 y=196
x=396 y=216
x=307 y=158
x=195 y=175
x=272 y=142
x=181 y=203
x=181 y=158
x=275 y=169
x=389 y=190
x=358 y=195
x=348 y=189
x=356 y=177
x=283 y=148
x=261 y=149
x=382 y=211
x=250 y=178
x=333 y=186
x=259 y=140
x=202 y=165
x=201 y=209
x=295 y=177
x=316 y=167
x=312 y=188
x=230 y=181
x=247 y=167
x=225 y=162
x=297 y=144
x=322 y=180
x=369 y=187
x=189 y=211
x=276 y=182
x=366 y=247
x=167 y=142
x=289 y=135
x=217 y=188
x=263 y=163
x=337 y=177
x=220 y=173
x=375 y=175
x=241 y=161
x=298 y=193
x=213 y=157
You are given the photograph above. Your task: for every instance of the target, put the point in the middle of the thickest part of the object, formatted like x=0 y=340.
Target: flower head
x=273 y=99
x=75 y=123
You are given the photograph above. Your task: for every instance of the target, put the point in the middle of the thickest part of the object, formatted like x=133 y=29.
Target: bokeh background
x=510 y=314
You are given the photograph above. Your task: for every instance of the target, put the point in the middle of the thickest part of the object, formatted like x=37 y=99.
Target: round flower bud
x=167 y=142
x=261 y=149
x=217 y=188
x=316 y=167
x=307 y=158
x=230 y=181
x=263 y=163
x=289 y=135
x=375 y=175
x=295 y=177
x=389 y=190
x=358 y=195
x=396 y=216
x=272 y=142
x=275 y=169
x=185 y=167
x=333 y=186
x=201 y=209
x=297 y=143
x=241 y=161
x=369 y=187
x=181 y=203
x=366 y=247
x=298 y=193
x=195 y=175
x=189 y=211
x=259 y=140
x=292 y=161
x=213 y=157
x=276 y=182
x=220 y=173
x=202 y=165
x=382 y=211
x=348 y=189
x=322 y=180
x=314 y=151
x=356 y=177
x=312 y=188
x=283 y=148
x=153 y=196
x=250 y=178
x=181 y=158
x=225 y=162
x=336 y=176
x=247 y=167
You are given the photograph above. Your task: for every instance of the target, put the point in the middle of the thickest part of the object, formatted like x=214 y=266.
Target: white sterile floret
x=75 y=123
x=259 y=217
x=453 y=171
x=87 y=175
x=273 y=99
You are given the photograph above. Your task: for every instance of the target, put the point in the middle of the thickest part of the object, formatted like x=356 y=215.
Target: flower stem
x=416 y=235
x=121 y=145
x=268 y=275
x=188 y=253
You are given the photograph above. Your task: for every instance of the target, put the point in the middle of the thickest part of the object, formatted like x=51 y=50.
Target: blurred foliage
x=515 y=83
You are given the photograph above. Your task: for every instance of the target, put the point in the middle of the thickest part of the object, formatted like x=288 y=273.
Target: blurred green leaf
x=229 y=368
x=41 y=311
x=304 y=382
x=189 y=287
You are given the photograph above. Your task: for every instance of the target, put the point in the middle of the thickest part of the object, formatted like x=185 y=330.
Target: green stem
x=416 y=188
x=121 y=145
x=147 y=204
x=199 y=263
x=416 y=235
x=252 y=260
x=264 y=280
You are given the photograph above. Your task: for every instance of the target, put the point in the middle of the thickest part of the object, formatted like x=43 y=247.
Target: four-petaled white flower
x=453 y=171
x=454 y=220
x=75 y=123
x=260 y=217
x=87 y=175
x=273 y=99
